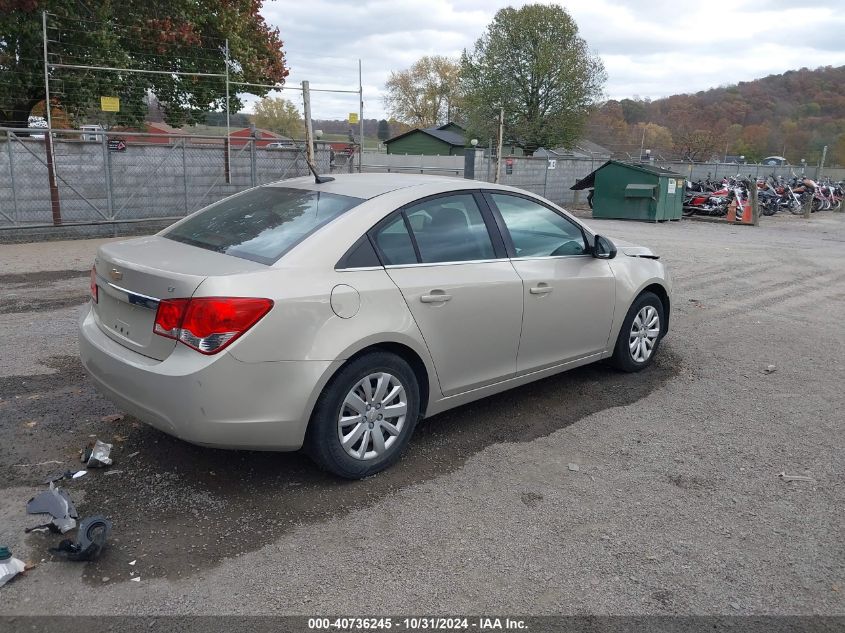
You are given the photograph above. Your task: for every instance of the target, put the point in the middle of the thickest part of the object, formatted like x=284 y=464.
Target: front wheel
x=640 y=334
x=365 y=416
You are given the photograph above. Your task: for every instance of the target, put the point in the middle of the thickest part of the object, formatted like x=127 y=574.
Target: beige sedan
x=334 y=316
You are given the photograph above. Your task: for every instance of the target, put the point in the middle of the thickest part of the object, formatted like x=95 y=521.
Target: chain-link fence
x=105 y=182
x=552 y=178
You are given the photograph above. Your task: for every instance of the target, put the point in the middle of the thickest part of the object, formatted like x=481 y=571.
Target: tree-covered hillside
x=794 y=115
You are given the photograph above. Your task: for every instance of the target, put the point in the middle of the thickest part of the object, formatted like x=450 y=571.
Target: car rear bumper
x=209 y=400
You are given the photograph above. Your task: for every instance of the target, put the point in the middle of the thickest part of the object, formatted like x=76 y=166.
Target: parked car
x=336 y=315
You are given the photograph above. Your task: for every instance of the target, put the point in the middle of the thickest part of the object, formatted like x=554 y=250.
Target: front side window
x=262 y=224
x=450 y=229
x=536 y=230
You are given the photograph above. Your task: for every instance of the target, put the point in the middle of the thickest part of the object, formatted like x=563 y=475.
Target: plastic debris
x=786 y=477
x=574 y=467
x=136 y=579
x=132 y=562
x=68 y=474
x=57 y=504
x=770 y=369
x=96 y=455
x=9 y=566
x=93 y=532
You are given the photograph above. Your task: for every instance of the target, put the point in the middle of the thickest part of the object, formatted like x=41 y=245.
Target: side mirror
x=603 y=248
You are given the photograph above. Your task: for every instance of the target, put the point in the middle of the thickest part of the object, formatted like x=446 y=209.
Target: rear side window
x=262 y=224
x=395 y=243
x=450 y=229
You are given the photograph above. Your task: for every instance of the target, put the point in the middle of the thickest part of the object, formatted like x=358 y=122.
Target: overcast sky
x=650 y=48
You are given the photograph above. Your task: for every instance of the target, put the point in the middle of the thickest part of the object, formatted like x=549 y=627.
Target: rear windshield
x=261 y=224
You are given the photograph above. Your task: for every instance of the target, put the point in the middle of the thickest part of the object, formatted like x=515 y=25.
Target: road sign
x=353 y=117
x=110 y=104
x=117 y=145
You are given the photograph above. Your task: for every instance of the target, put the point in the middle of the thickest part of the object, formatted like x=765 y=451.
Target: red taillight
x=208 y=324
x=169 y=317
x=95 y=296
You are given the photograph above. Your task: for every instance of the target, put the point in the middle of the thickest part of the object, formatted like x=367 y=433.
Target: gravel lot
x=677 y=507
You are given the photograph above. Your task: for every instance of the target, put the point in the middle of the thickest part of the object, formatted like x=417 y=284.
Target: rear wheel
x=365 y=416
x=640 y=334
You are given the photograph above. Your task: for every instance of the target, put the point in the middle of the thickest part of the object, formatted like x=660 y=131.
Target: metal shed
x=633 y=191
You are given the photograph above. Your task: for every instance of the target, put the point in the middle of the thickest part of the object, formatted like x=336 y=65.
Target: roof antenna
x=309 y=136
x=317 y=177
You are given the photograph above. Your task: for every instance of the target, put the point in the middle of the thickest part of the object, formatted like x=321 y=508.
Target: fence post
x=755 y=201
x=252 y=167
x=107 y=174
x=226 y=163
x=55 y=204
x=185 y=174
x=545 y=177
x=9 y=136
x=808 y=205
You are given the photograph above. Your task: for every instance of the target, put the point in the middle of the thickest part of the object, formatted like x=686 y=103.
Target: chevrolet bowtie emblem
x=116 y=274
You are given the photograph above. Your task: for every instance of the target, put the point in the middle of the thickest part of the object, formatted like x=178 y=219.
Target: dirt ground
x=677 y=506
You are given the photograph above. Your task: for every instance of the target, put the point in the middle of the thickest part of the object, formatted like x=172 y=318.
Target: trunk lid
x=134 y=275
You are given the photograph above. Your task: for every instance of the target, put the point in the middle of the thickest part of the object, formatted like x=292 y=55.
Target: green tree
x=383 y=130
x=532 y=63
x=169 y=35
x=634 y=110
x=426 y=94
x=280 y=116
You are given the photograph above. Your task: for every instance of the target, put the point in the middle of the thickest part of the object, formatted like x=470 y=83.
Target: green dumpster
x=634 y=191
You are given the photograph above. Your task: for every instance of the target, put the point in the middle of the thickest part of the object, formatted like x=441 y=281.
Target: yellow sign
x=110 y=104
x=353 y=117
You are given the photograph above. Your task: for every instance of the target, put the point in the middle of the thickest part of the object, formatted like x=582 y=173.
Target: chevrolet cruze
x=333 y=316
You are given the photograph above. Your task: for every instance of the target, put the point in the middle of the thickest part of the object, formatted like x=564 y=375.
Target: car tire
x=632 y=353
x=336 y=415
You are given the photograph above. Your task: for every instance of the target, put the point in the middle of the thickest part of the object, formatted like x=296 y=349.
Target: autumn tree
x=163 y=35
x=532 y=63
x=652 y=136
x=696 y=145
x=426 y=94
x=280 y=116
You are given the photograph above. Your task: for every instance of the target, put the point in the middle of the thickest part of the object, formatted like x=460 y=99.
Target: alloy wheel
x=372 y=416
x=645 y=330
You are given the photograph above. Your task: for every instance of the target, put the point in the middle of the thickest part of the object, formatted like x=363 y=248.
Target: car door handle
x=542 y=289
x=435 y=297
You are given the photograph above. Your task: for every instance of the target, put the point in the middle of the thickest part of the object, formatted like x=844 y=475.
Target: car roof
x=371 y=185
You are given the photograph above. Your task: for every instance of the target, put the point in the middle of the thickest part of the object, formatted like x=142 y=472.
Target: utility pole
x=55 y=205
x=499 y=150
x=228 y=131
x=361 y=119
x=642 y=144
x=821 y=162
x=309 y=133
